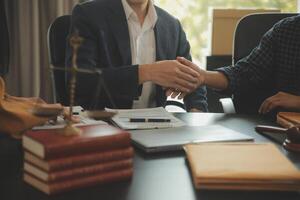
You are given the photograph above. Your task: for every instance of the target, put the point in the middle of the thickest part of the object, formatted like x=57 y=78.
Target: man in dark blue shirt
x=269 y=77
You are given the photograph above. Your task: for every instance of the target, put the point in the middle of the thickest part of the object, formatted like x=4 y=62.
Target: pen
x=148 y=120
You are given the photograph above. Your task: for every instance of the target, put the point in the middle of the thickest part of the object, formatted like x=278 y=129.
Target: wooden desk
x=156 y=177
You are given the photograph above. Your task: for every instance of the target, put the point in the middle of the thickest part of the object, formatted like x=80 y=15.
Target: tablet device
x=170 y=139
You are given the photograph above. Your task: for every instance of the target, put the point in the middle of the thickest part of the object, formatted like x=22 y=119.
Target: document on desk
x=149 y=118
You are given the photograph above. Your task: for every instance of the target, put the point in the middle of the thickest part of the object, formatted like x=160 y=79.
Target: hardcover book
x=67 y=185
x=74 y=161
x=288 y=119
x=78 y=172
x=241 y=166
x=47 y=144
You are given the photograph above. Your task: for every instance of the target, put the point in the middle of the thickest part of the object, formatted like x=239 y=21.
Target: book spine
x=68 y=185
x=79 y=160
x=96 y=169
x=84 y=171
x=85 y=146
x=291 y=117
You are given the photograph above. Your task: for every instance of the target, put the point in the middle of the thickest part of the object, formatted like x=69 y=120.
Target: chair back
x=57 y=37
x=250 y=30
x=248 y=34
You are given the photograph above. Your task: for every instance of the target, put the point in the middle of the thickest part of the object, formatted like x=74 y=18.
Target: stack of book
x=54 y=163
x=241 y=166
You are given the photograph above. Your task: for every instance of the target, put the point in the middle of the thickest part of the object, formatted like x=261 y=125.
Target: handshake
x=180 y=76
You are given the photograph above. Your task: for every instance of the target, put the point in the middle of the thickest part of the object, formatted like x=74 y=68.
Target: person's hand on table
x=280 y=100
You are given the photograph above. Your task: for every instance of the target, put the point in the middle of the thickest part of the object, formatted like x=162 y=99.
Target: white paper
x=122 y=119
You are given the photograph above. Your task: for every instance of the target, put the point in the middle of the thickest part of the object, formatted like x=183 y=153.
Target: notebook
x=241 y=166
x=123 y=119
x=172 y=139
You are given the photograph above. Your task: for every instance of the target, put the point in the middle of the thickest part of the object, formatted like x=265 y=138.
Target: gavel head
x=293 y=134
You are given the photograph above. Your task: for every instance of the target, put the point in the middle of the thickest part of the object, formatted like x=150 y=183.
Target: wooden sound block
x=100 y=114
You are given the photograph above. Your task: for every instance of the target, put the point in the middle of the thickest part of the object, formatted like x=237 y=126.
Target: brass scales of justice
x=70 y=129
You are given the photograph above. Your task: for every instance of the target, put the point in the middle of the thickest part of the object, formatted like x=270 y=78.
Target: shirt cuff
x=228 y=72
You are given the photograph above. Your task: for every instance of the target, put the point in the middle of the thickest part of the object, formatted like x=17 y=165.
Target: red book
x=48 y=144
x=87 y=170
x=63 y=186
x=74 y=161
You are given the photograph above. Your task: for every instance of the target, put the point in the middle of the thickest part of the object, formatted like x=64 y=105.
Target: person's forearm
x=216 y=80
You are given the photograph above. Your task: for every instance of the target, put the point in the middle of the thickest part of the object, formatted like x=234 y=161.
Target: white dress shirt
x=143 y=48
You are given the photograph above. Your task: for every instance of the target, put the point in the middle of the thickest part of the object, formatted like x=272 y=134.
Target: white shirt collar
x=151 y=14
x=128 y=10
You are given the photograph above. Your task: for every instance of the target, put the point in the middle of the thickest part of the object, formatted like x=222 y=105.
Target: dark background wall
x=4 y=41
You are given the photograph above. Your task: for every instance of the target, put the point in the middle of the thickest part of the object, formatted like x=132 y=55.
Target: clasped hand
x=180 y=76
x=177 y=92
x=173 y=74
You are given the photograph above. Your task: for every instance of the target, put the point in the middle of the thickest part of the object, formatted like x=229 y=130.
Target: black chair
x=250 y=30
x=175 y=106
x=57 y=37
x=248 y=34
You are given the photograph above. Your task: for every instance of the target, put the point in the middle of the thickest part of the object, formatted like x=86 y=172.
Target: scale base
x=70 y=130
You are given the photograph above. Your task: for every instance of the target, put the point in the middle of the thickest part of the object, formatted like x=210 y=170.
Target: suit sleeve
x=196 y=99
x=120 y=80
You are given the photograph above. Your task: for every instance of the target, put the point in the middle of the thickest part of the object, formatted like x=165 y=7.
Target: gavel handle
x=272 y=129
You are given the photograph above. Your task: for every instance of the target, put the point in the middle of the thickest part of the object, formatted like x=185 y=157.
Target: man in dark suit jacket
x=107 y=46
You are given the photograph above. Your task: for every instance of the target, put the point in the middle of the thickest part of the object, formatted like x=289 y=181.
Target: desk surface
x=156 y=177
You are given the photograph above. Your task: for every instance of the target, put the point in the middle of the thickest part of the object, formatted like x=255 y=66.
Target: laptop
x=171 y=139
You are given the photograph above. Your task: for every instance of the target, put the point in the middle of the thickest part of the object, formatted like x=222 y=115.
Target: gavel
x=292 y=142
